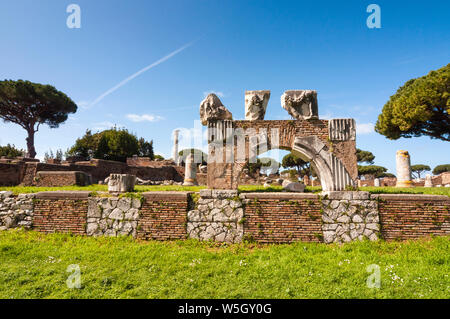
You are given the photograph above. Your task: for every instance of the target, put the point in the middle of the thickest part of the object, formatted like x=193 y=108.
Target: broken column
x=376 y=182
x=256 y=104
x=175 y=155
x=190 y=172
x=403 y=163
x=301 y=104
x=428 y=181
x=121 y=183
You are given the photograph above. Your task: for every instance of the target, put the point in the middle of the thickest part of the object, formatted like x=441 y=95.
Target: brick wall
x=9 y=174
x=404 y=216
x=99 y=170
x=53 y=179
x=282 y=217
x=163 y=216
x=61 y=212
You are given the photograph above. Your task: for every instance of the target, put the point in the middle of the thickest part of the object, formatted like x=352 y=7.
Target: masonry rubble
x=16 y=211
x=349 y=216
x=218 y=216
x=113 y=216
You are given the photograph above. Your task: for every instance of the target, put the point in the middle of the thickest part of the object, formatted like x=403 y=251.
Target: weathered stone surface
x=190 y=175
x=256 y=104
x=349 y=216
x=342 y=129
x=16 y=211
x=112 y=216
x=403 y=166
x=289 y=186
x=428 y=181
x=121 y=183
x=300 y=104
x=211 y=108
x=217 y=216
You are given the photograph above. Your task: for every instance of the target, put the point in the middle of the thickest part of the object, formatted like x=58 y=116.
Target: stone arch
x=331 y=154
x=330 y=170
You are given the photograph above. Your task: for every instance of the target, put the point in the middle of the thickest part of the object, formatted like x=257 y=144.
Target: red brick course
x=413 y=216
x=60 y=215
x=296 y=217
x=163 y=216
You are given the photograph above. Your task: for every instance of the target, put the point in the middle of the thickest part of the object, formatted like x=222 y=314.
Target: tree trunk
x=30 y=144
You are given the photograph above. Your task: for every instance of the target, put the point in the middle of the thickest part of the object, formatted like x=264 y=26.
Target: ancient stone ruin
x=330 y=145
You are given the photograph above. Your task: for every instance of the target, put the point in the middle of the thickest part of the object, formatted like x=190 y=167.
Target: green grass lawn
x=242 y=188
x=34 y=265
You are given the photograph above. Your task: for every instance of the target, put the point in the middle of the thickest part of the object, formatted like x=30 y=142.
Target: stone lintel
x=173 y=195
x=280 y=196
x=347 y=195
x=411 y=197
x=63 y=195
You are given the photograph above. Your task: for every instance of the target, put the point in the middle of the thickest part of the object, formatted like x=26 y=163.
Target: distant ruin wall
x=26 y=173
x=10 y=174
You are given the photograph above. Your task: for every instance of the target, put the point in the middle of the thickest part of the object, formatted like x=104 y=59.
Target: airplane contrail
x=131 y=77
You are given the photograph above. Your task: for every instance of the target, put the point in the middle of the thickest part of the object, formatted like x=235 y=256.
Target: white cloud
x=144 y=118
x=218 y=93
x=364 y=128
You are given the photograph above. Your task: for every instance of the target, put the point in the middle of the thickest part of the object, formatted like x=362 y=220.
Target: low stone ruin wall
x=226 y=216
x=57 y=179
x=27 y=173
x=10 y=174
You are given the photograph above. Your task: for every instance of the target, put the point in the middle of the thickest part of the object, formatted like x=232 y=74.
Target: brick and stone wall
x=163 y=215
x=16 y=211
x=10 y=174
x=226 y=216
x=60 y=212
x=282 y=217
x=348 y=216
x=405 y=216
x=112 y=216
x=217 y=215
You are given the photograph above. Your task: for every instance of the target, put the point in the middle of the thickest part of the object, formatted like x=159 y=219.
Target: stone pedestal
x=428 y=181
x=121 y=183
x=190 y=172
x=403 y=163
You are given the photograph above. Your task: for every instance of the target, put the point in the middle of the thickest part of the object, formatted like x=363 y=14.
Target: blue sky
x=235 y=46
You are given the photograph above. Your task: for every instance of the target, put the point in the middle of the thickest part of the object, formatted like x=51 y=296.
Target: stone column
x=376 y=182
x=403 y=163
x=190 y=172
x=306 y=180
x=175 y=155
x=428 y=181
